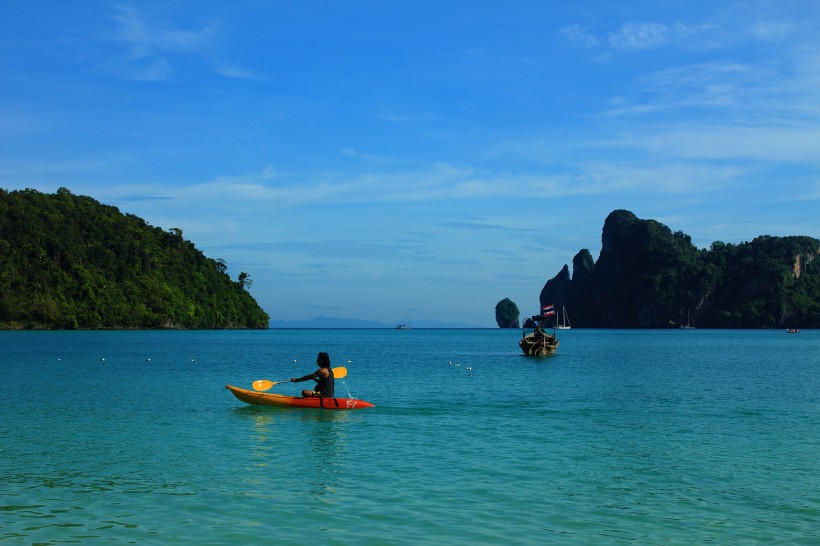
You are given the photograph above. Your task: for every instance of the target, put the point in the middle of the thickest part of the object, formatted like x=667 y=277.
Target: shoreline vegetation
x=70 y=262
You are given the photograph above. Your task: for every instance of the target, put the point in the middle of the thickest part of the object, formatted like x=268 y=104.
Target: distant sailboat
x=564 y=324
x=406 y=325
x=689 y=324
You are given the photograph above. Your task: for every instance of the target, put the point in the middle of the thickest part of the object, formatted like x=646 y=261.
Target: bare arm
x=321 y=372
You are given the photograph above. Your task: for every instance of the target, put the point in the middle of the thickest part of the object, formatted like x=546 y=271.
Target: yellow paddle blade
x=339 y=372
x=264 y=384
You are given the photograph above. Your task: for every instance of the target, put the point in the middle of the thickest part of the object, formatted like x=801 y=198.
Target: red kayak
x=281 y=400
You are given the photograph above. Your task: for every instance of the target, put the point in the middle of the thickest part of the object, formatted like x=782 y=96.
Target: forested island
x=649 y=277
x=70 y=262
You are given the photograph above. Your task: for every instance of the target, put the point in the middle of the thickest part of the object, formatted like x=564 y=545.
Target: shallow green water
x=634 y=437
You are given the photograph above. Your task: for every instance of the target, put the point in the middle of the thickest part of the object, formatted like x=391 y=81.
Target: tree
x=244 y=281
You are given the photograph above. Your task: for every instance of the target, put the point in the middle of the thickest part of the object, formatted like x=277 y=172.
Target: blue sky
x=363 y=158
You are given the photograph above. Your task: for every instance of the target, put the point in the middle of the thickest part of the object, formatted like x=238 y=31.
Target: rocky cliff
x=647 y=276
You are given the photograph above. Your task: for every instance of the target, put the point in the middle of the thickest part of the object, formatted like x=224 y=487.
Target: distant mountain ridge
x=649 y=277
x=69 y=262
x=335 y=322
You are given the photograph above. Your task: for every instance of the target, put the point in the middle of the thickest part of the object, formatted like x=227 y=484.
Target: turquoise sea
x=623 y=437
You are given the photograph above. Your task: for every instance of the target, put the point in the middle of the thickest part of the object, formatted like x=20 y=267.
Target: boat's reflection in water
x=300 y=450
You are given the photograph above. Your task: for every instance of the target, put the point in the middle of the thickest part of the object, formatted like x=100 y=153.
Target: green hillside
x=69 y=261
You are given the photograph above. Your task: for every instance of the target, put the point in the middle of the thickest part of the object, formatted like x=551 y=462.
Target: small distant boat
x=537 y=341
x=792 y=331
x=689 y=324
x=405 y=325
x=564 y=324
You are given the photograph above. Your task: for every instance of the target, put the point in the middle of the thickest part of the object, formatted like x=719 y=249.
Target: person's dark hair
x=324 y=360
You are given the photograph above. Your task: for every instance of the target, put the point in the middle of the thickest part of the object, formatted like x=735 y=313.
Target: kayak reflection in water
x=323 y=376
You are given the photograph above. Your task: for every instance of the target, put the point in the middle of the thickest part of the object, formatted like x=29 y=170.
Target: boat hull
x=538 y=345
x=283 y=401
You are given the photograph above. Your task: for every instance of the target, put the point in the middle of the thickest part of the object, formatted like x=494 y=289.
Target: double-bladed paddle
x=264 y=384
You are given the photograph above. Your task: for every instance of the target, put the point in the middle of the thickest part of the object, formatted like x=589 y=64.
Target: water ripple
x=664 y=444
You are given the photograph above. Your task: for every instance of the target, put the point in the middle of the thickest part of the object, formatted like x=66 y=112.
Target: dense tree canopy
x=649 y=277
x=69 y=261
x=506 y=314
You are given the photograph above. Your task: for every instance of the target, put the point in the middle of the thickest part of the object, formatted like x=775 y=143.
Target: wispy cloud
x=578 y=35
x=145 y=197
x=153 y=48
x=237 y=73
x=484 y=226
x=341 y=248
x=765 y=143
x=155 y=70
x=714 y=84
x=146 y=38
x=634 y=36
x=772 y=29
x=765 y=91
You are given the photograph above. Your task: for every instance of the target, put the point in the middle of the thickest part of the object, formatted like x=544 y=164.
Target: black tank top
x=326 y=385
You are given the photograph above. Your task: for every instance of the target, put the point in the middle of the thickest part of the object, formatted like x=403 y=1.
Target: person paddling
x=323 y=376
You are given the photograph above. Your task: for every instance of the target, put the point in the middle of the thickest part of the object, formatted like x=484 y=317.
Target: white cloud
x=154 y=46
x=578 y=35
x=772 y=30
x=642 y=36
x=145 y=38
x=635 y=36
x=153 y=71
x=791 y=144
x=237 y=73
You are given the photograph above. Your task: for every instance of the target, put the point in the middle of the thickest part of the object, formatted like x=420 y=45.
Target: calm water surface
x=625 y=437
